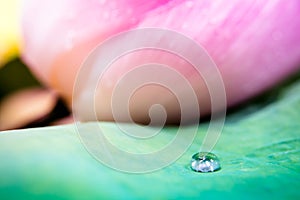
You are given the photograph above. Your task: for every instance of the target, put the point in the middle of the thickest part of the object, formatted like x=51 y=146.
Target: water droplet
x=205 y=162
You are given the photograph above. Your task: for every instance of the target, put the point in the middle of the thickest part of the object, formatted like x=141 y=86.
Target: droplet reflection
x=205 y=162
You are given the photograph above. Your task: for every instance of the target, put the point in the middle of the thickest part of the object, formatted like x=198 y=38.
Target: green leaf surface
x=259 y=151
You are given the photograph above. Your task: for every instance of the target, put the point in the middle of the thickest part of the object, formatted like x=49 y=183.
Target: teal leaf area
x=259 y=151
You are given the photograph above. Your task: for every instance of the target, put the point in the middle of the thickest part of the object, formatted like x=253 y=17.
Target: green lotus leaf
x=259 y=151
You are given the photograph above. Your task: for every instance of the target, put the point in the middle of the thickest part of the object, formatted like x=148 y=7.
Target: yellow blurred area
x=10 y=36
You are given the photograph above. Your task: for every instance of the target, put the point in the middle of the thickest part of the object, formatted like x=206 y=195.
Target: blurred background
x=24 y=102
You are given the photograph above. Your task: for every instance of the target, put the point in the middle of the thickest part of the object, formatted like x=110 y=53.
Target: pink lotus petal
x=255 y=44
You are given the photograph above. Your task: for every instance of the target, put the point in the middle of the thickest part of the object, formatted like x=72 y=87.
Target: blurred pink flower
x=255 y=44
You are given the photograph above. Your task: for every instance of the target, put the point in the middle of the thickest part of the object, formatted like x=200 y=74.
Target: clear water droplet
x=205 y=162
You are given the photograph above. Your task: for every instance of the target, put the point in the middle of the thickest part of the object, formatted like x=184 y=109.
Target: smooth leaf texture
x=259 y=151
